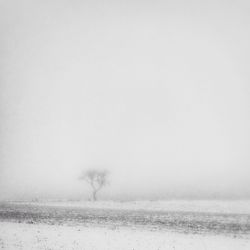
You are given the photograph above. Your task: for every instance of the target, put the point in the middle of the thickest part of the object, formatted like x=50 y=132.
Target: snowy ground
x=182 y=218
x=47 y=237
x=208 y=206
x=159 y=225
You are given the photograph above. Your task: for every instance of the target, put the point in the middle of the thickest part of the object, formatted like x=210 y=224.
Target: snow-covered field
x=29 y=237
x=208 y=206
x=184 y=225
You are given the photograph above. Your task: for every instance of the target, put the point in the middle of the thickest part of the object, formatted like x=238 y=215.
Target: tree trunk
x=94 y=195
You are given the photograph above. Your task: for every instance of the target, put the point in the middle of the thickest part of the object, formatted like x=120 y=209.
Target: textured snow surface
x=38 y=236
x=208 y=206
x=177 y=221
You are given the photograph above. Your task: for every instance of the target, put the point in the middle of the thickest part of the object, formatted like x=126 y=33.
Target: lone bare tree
x=97 y=179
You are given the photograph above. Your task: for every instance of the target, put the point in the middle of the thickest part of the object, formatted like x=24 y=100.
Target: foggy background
x=157 y=92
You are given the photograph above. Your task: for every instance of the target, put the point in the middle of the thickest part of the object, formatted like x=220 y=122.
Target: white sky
x=156 y=91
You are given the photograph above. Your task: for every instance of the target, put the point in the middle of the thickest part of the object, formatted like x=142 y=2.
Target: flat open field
x=236 y=224
x=181 y=225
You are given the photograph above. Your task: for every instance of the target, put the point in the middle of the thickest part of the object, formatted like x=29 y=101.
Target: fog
x=156 y=92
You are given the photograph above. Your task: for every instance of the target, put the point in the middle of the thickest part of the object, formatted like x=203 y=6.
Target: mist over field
x=156 y=92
